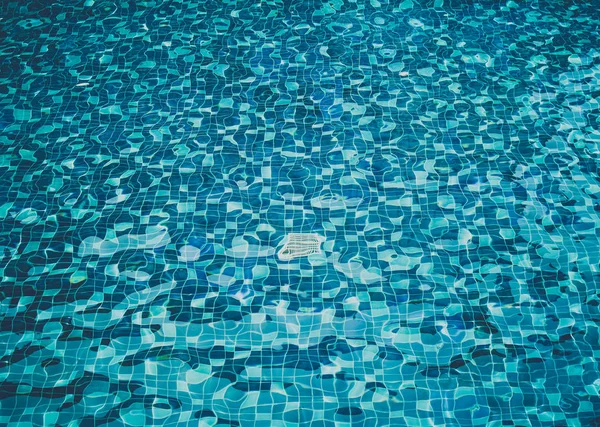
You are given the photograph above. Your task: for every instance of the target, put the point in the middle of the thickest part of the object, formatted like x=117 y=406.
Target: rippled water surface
x=155 y=154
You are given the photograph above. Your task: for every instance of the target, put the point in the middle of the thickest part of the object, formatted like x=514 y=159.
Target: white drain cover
x=299 y=244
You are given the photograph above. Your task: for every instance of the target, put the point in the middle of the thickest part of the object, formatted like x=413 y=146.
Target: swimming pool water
x=155 y=154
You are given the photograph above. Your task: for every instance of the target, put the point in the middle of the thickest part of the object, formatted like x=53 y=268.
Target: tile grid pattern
x=153 y=155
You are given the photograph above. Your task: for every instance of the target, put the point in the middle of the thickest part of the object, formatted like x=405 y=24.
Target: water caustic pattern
x=154 y=155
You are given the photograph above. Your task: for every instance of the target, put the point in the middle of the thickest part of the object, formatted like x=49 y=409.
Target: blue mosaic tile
x=154 y=155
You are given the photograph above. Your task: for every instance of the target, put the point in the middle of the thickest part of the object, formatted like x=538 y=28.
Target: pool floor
x=154 y=155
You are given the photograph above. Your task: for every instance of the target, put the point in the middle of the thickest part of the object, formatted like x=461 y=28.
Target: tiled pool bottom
x=154 y=155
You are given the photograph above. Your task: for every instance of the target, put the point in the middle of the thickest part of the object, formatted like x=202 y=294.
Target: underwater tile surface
x=155 y=154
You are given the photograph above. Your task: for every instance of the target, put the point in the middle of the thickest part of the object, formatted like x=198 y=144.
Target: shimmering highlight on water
x=155 y=154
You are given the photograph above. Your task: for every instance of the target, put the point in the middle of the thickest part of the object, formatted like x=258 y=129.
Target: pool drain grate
x=299 y=245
